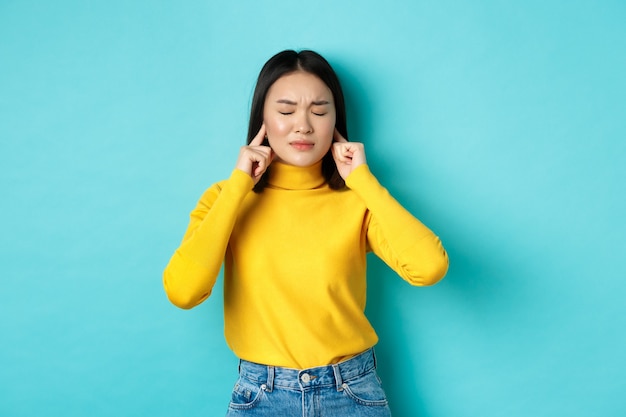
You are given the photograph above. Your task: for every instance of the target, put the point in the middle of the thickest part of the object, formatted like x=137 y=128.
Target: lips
x=302 y=145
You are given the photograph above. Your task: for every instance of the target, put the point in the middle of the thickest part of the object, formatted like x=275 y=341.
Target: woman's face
x=299 y=116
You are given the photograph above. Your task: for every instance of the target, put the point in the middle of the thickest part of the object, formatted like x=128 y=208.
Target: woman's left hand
x=347 y=155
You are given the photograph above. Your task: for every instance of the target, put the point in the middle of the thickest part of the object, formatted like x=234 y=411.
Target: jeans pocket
x=366 y=390
x=246 y=394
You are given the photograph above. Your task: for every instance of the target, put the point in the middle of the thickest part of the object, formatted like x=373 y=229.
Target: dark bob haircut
x=287 y=62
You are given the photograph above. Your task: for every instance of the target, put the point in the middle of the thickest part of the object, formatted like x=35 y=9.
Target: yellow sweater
x=294 y=262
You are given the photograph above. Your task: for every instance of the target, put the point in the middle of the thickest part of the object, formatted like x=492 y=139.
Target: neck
x=290 y=177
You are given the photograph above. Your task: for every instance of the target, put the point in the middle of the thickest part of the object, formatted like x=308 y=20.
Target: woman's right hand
x=255 y=157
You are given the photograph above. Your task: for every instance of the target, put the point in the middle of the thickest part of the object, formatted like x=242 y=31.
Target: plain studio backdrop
x=500 y=124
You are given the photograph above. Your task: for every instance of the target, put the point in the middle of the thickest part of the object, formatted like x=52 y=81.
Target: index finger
x=337 y=136
x=258 y=139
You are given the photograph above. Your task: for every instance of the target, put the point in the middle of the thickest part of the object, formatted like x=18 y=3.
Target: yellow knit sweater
x=294 y=262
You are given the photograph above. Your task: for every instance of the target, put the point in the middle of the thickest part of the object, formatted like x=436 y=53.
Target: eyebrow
x=293 y=103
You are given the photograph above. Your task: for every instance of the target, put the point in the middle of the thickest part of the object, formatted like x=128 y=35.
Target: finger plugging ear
x=337 y=136
x=260 y=136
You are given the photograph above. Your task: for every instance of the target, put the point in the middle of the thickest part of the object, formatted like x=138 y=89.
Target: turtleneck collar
x=291 y=177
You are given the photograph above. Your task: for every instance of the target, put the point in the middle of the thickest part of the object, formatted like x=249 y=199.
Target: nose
x=303 y=124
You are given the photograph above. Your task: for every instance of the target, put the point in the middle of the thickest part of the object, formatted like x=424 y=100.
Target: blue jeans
x=350 y=388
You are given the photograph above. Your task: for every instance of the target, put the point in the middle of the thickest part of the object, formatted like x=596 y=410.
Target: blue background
x=500 y=124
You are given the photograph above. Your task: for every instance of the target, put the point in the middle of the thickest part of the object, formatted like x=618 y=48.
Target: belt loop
x=270 y=378
x=374 y=356
x=239 y=367
x=338 y=379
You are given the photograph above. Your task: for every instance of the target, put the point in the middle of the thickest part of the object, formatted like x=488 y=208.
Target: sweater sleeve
x=396 y=236
x=193 y=269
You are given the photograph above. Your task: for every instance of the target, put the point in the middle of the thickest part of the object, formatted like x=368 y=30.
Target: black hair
x=281 y=64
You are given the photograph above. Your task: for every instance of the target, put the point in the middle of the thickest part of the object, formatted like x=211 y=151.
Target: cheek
x=275 y=127
x=329 y=128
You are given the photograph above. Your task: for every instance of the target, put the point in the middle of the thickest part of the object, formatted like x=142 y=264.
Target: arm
x=192 y=271
x=396 y=236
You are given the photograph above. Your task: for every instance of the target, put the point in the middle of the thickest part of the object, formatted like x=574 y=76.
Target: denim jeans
x=350 y=388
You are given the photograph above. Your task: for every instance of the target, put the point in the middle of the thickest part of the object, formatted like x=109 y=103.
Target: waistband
x=329 y=375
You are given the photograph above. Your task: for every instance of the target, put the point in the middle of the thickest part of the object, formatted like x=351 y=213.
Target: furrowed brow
x=293 y=103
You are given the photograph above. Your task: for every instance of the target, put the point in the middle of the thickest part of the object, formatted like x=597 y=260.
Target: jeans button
x=306 y=378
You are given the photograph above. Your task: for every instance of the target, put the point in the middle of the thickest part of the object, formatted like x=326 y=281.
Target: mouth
x=302 y=145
